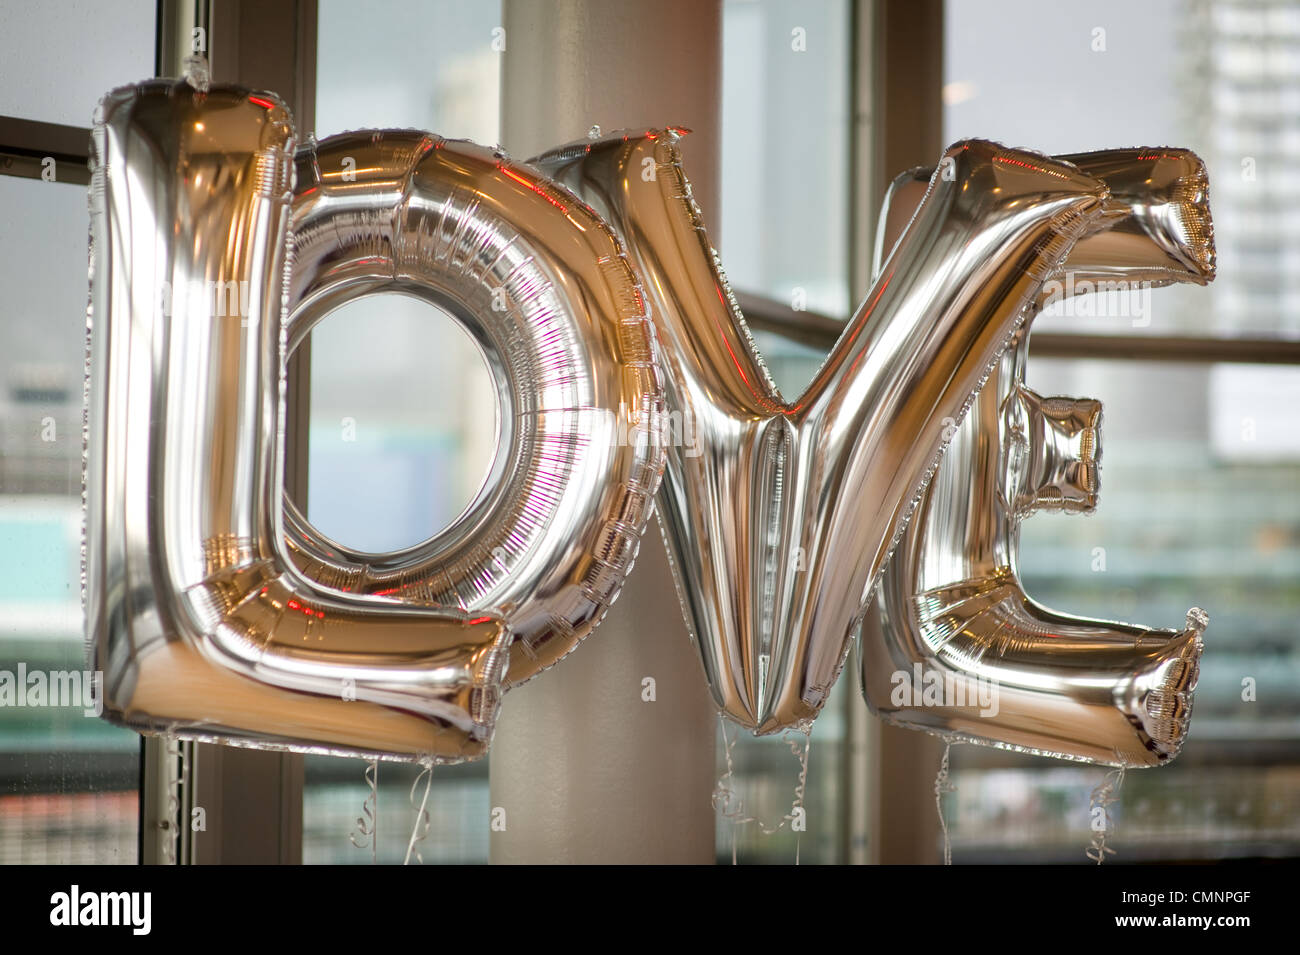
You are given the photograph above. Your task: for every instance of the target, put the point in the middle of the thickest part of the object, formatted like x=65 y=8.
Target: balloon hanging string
x=943 y=784
x=421 y=828
x=196 y=72
x=368 y=822
x=1104 y=795
x=729 y=803
x=178 y=769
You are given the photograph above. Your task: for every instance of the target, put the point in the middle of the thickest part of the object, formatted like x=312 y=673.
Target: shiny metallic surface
x=779 y=515
x=204 y=622
x=216 y=610
x=952 y=644
x=541 y=284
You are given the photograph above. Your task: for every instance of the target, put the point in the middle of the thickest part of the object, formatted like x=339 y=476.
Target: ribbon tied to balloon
x=628 y=383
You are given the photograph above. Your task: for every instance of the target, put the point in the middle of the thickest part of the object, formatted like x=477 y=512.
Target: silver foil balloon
x=779 y=515
x=952 y=644
x=542 y=285
x=205 y=624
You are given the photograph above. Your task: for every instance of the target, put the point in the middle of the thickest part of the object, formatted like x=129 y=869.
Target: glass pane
x=442 y=75
x=403 y=423
x=784 y=234
x=403 y=412
x=764 y=781
x=785 y=148
x=1200 y=468
x=1221 y=77
x=409 y=64
x=60 y=58
x=67 y=779
x=335 y=791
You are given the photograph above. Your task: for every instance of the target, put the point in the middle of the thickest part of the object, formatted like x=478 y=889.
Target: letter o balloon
x=543 y=287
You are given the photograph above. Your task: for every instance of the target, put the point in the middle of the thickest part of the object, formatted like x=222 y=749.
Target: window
x=1200 y=460
x=68 y=780
x=1201 y=451
x=784 y=235
x=403 y=409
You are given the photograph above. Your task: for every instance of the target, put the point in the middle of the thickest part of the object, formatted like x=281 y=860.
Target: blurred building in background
x=1200 y=490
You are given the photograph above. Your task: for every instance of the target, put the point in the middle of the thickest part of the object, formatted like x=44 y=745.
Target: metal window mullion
x=905 y=47
x=250 y=800
x=25 y=144
x=858 y=793
x=821 y=332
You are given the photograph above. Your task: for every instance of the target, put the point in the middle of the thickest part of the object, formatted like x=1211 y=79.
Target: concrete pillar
x=584 y=768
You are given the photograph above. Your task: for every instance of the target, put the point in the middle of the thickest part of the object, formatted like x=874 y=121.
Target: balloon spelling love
x=217 y=611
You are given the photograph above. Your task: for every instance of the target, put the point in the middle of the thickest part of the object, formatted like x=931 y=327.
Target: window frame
x=253 y=799
x=24 y=145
